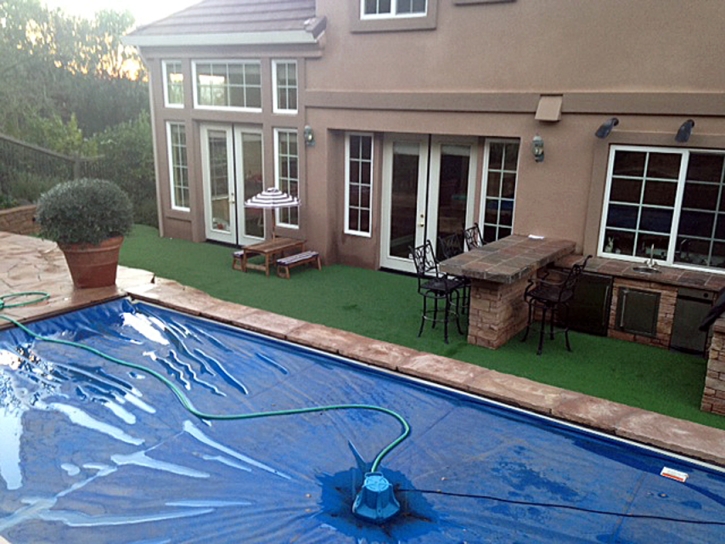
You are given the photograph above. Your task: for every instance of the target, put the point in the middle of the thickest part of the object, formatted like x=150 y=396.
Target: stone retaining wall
x=19 y=220
x=713 y=397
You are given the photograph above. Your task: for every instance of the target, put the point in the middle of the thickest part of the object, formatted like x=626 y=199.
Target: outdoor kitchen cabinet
x=637 y=311
x=691 y=308
x=589 y=309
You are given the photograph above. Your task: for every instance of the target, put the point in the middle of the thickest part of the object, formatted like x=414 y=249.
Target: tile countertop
x=666 y=275
x=508 y=259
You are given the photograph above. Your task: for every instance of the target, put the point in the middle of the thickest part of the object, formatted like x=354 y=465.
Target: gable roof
x=234 y=22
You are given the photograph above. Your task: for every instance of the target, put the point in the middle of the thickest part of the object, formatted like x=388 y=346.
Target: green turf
x=386 y=306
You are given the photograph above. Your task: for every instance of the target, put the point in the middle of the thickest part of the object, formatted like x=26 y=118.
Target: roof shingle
x=233 y=16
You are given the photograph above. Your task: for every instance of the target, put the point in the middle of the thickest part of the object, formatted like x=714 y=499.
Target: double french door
x=232 y=168
x=428 y=192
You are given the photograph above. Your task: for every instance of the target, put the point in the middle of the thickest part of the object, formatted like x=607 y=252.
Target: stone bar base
x=713 y=397
x=497 y=313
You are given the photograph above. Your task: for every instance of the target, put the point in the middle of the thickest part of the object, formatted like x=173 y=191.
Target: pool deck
x=31 y=264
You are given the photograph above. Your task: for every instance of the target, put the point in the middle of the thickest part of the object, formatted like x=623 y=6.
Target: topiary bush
x=84 y=211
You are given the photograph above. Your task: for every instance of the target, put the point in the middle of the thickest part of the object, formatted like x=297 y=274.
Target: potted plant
x=88 y=218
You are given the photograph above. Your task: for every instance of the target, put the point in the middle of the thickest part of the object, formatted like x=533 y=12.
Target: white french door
x=428 y=192
x=232 y=160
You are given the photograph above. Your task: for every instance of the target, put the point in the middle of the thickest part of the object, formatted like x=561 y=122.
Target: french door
x=428 y=192
x=232 y=171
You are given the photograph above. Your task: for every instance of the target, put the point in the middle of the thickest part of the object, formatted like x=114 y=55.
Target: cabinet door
x=589 y=309
x=637 y=311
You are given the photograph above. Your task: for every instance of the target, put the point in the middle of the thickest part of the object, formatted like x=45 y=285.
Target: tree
x=65 y=79
x=56 y=67
x=128 y=159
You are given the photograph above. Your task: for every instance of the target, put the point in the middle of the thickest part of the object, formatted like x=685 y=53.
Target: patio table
x=499 y=272
x=269 y=249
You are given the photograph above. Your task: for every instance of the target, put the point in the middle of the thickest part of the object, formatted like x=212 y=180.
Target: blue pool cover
x=93 y=451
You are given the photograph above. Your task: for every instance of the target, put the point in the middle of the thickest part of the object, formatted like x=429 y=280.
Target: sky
x=144 y=11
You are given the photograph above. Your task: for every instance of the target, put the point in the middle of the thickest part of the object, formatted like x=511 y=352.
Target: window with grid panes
x=173 y=84
x=287 y=174
x=285 y=86
x=228 y=85
x=393 y=8
x=666 y=204
x=500 y=177
x=178 y=165
x=359 y=184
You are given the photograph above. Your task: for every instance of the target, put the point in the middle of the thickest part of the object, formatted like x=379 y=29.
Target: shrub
x=84 y=211
x=7 y=202
x=26 y=187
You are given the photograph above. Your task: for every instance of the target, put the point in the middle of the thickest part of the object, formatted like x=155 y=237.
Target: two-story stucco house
x=400 y=120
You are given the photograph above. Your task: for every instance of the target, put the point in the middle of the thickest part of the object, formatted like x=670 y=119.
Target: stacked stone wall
x=665 y=316
x=497 y=312
x=713 y=397
x=19 y=220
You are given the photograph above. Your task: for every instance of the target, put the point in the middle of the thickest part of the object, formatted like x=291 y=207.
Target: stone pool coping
x=31 y=264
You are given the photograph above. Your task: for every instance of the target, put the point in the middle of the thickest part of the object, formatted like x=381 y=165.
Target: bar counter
x=499 y=273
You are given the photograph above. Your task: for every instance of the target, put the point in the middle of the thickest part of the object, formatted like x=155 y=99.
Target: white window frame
x=167 y=101
x=173 y=181
x=350 y=229
x=673 y=235
x=227 y=63
x=393 y=14
x=283 y=183
x=482 y=223
x=276 y=90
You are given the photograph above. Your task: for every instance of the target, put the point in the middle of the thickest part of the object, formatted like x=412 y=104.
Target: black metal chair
x=473 y=238
x=449 y=246
x=437 y=289
x=550 y=295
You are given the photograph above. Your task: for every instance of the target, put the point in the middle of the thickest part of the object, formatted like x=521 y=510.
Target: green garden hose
x=185 y=402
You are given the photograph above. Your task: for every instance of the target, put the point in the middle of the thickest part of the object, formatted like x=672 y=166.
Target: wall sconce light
x=309 y=136
x=685 y=130
x=606 y=127
x=537 y=148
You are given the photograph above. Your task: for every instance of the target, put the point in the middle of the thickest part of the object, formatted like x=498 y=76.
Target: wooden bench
x=284 y=264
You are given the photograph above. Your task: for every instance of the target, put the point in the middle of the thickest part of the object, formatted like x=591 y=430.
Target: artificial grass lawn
x=386 y=306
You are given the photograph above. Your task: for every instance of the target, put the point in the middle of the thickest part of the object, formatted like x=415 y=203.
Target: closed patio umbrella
x=272 y=198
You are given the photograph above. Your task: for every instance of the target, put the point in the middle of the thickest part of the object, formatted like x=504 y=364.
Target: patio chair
x=550 y=295
x=437 y=289
x=449 y=246
x=472 y=236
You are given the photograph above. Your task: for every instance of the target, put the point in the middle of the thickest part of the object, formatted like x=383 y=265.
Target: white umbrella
x=272 y=198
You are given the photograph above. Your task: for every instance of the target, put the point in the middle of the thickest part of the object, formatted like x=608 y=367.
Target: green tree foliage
x=128 y=159
x=102 y=103
x=70 y=85
x=63 y=68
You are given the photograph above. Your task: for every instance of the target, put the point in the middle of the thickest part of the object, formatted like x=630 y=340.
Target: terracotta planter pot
x=93 y=266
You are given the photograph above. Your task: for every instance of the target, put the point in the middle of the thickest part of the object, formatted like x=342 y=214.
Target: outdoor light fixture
x=309 y=136
x=685 y=130
x=537 y=148
x=606 y=127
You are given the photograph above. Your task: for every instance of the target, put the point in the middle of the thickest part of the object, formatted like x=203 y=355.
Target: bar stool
x=436 y=289
x=550 y=295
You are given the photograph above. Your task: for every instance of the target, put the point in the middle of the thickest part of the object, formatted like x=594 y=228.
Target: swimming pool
x=94 y=451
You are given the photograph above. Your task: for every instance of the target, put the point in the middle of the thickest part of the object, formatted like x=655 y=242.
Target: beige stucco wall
x=544 y=46
x=480 y=73
x=483 y=69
